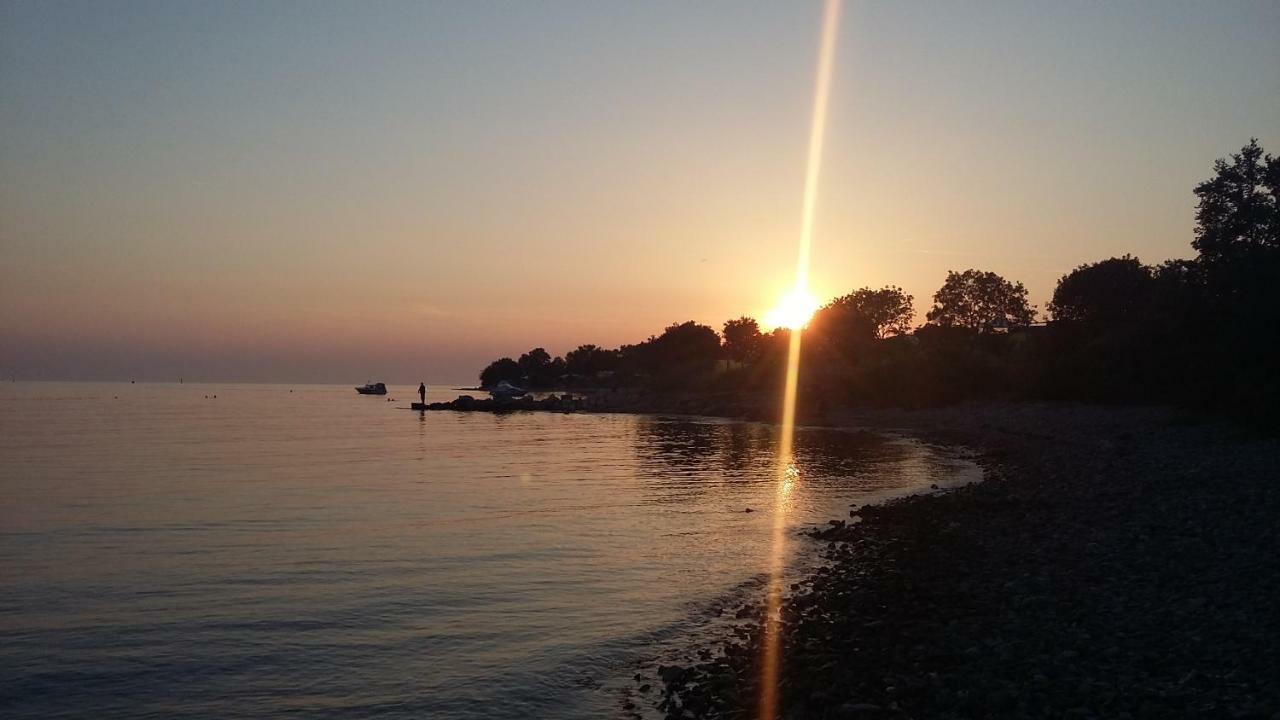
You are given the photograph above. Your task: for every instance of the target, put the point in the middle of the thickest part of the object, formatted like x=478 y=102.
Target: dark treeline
x=1203 y=332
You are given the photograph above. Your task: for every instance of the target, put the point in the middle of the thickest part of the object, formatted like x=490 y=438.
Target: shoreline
x=727 y=405
x=1114 y=562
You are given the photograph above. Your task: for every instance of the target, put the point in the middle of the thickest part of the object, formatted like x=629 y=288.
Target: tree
x=742 y=339
x=499 y=370
x=887 y=310
x=841 y=327
x=1239 y=208
x=688 y=345
x=680 y=355
x=980 y=301
x=588 y=360
x=581 y=360
x=1109 y=292
x=539 y=369
x=551 y=373
x=534 y=361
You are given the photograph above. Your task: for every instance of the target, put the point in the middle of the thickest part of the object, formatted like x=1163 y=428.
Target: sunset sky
x=397 y=191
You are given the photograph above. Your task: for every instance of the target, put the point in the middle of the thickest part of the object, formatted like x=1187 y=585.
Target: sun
x=793 y=311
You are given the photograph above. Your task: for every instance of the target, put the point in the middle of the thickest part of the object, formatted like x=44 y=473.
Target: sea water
x=222 y=551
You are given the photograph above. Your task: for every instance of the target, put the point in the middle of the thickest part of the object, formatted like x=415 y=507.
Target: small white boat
x=372 y=389
x=505 y=389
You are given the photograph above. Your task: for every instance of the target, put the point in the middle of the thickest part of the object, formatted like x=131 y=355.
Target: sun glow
x=793 y=311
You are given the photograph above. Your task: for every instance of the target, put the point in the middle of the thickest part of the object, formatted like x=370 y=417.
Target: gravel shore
x=1116 y=563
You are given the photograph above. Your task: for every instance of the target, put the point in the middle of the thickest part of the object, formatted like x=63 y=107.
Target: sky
x=342 y=192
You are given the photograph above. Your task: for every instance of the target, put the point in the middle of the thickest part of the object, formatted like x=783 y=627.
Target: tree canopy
x=589 y=360
x=1238 y=209
x=1105 y=293
x=887 y=311
x=499 y=370
x=688 y=345
x=534 y=360
x=742 y=339
x=980 y=301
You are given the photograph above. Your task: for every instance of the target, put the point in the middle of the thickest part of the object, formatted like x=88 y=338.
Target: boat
x=505 y=389
x=372 y=389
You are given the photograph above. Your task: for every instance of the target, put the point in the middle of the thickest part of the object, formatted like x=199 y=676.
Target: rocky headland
x=623 y=400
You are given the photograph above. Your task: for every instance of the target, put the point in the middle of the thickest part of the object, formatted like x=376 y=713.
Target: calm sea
x=301 y=549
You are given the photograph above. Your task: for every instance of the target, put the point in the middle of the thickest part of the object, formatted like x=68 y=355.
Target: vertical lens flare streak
x=817 y=134
x=787 y=473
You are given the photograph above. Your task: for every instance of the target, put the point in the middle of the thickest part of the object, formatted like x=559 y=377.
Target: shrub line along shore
x=1202 y=332
x=1117 y=562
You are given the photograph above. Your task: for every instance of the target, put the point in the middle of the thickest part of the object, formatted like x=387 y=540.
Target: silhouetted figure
x=422 y=392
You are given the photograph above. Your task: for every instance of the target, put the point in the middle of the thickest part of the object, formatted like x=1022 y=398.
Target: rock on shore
x=1117 y=563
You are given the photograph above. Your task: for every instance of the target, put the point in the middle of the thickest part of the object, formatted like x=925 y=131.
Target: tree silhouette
x=540 y=369
x=683 y=353
x=742 y=339
x=841 y=327
x=588 y=360
x=980 y=301
x=1238 y=208
x=499 y=370
x=887 y=310
x=1107 y=293
x=534 y=361
x=687 y=345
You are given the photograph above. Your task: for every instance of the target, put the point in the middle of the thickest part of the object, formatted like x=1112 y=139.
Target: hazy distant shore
x=1118 y=562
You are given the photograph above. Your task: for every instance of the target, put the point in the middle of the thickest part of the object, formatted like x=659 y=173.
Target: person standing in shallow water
x=422 y=392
